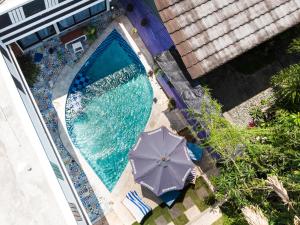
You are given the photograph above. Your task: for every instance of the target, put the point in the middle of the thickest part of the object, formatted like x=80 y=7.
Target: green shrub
x=171 y=104
x=294 y=46
x=91 y=33
x=286 y=85
x=29 y=68
x=210 y=199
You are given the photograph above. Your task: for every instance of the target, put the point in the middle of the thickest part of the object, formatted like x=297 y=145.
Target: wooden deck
x=72 y=35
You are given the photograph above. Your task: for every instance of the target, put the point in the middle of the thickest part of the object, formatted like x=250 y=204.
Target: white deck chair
x=77 y=47
x=136 y=206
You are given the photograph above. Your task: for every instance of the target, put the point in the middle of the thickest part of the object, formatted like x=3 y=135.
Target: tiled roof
x=207 y=33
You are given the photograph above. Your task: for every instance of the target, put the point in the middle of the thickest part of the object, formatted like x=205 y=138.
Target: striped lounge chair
x=136 y=206
x=192 y=177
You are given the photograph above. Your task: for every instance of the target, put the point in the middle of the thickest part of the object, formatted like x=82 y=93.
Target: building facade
x=48 y=195
x=38 y=20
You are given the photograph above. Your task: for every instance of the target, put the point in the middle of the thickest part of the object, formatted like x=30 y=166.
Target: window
x=18 y=84
x=81 y=16
x=66 y=23
x=46 y=32
x=36 y=37
x=34 y=7
x=4 y=21
x=29 y=41
x=98 y=8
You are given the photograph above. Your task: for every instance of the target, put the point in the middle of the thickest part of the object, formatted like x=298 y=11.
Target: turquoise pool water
x=108 y=105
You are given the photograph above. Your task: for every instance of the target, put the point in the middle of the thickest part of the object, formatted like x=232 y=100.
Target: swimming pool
x=108 y=105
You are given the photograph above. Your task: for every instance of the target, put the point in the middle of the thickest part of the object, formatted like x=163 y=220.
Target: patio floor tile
x=202 y=192
x=175 y=212
x=161 y=220
x=188 y=202
x=192 y=213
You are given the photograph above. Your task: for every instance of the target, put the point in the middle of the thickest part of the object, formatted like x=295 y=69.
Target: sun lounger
x=136 y=206
x=77 y=47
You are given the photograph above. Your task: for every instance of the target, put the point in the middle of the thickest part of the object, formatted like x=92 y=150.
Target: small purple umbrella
x=160 y=161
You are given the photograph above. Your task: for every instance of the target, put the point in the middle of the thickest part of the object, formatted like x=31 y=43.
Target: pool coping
x=60 y=92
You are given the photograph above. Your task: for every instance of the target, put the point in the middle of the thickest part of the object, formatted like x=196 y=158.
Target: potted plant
x=91 y=33
x=144 y=22
x=134 y=31
x=171 y=104
x=29 y=68
x=129 y=7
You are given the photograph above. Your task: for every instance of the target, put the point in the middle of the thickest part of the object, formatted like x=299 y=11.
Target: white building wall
x=30 y=191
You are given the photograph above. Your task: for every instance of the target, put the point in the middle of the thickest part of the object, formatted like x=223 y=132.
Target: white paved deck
x=117 y=214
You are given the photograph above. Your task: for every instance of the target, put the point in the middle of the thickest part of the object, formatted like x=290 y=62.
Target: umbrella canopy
x=160 y=161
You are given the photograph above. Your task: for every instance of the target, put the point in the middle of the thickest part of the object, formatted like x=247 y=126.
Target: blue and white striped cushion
x=135 y=198
x=136 y=206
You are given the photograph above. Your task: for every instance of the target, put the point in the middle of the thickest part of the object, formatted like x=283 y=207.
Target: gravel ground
x=239 y=115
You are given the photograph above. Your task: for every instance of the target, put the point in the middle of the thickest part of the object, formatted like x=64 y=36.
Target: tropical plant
x=254 y=215
x=286 y=85
x=277 y=186
x=171 y=104
x=29 y=68
x=91 y=33
x=134 y=30
x=248 y=157
x=296 y=220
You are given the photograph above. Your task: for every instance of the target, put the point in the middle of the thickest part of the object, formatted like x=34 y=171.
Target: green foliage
x=286 y=85
x=29 y=68
x=249 y=156
x=294 y=46
x=91 y=33
x=286 y=128
x=171 y=104
x=60 y=55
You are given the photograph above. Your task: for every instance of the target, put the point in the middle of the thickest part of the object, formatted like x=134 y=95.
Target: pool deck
x=115 y=212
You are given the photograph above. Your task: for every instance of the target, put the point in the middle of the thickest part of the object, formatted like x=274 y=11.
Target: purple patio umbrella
x=160 y=161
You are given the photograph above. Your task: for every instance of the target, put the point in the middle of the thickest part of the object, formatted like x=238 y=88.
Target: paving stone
x=188 y=202
x=175 y=212
x=171 y=223
x=192 y=213
x=202 y=192
x=161 y=220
